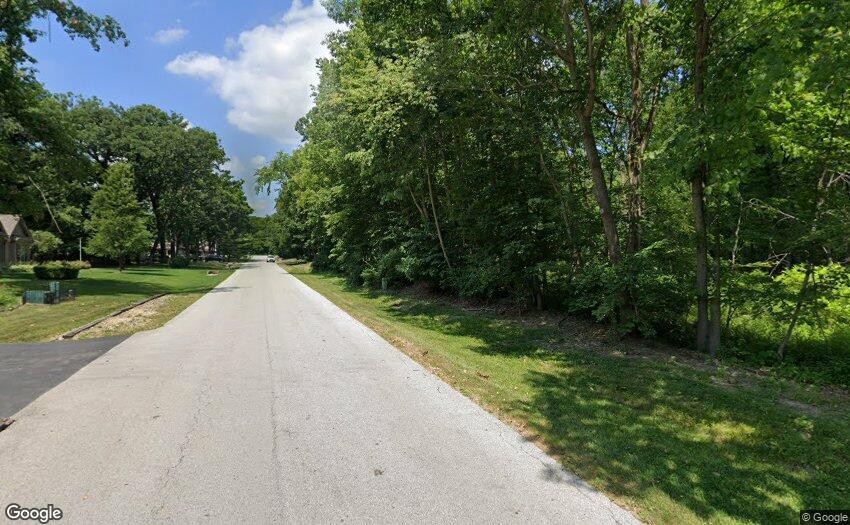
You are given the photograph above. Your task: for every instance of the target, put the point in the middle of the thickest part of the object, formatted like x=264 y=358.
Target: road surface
x=265 y=403
x=28 y=370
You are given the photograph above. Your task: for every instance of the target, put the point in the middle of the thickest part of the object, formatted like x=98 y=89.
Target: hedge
x=59 y=270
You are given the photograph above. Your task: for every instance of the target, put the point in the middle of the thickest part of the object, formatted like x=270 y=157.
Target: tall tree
x=118 y=223
x=580 y=36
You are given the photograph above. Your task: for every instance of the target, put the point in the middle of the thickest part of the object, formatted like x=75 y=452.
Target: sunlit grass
x=100 y=291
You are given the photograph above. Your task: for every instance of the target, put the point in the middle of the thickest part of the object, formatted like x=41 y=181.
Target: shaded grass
x=100 y=291
x=676 y=443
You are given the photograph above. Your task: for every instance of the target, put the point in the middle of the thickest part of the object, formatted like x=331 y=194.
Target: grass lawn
x=672 y=439
x=100 y=291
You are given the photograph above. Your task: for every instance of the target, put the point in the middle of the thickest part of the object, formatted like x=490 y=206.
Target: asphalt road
x=263 y=402
x=31 y=369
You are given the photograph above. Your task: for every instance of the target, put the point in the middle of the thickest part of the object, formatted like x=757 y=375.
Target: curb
x=76 y=331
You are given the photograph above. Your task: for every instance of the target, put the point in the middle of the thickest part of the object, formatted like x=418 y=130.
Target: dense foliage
x=677 y=168
x=55 y=149
x=45 y=245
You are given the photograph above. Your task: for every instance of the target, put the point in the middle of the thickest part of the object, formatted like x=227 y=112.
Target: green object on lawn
x=38 y=297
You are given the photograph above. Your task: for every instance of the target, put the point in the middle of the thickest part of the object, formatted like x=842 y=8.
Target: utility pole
x=81 y=248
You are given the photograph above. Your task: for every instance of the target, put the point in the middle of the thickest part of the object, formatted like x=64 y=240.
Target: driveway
x=264 y=402
x=29 y=370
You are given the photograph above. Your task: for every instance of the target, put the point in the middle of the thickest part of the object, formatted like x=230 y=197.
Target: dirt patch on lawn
x=128 y=321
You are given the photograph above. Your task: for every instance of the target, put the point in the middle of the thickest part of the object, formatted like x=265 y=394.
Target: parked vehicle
x=214 y=257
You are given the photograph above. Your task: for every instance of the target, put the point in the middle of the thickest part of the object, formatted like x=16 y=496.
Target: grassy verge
x=100 y=291
x=667 y=436
x=168 y=308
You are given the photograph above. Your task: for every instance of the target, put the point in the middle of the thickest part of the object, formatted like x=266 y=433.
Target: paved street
x=31 y=369
x=263 y=402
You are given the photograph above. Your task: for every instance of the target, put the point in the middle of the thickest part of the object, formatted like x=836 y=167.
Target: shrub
x=656 y=277
x=79 y=265
x=7 y=298
x=179 y=261
x=59 y=270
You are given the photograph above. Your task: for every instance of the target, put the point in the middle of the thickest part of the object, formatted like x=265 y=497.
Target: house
x=15 y=240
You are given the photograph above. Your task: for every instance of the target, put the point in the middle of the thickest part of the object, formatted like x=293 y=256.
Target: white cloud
x=261 y=203
x=169 y=36
x=267 y=83
x=236 y=167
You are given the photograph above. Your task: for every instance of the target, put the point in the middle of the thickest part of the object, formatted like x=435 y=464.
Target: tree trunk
x=437 y=223
x=433 y=206
x=734 y=261
x=634 y=156
x=716 y=314
x=600 y=189
x=160 y=226
x=819 y=200
x=796 y=315
x=698 y=203
x=419 y=208
x=565 y=208
x=700 y=179
x=635 y=203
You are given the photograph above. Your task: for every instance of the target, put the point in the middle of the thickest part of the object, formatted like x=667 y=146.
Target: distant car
x=270 y=258
x=214 y=257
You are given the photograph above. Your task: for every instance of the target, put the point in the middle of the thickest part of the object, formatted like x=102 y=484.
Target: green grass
x=100 y=291
x=674 y=441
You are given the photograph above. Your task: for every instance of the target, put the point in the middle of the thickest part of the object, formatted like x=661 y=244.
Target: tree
x=118 y=222
x=43 y=175
x=580 y=36
x=168 y=158
x=98 y=129
x=502 y=148
x=45 y=245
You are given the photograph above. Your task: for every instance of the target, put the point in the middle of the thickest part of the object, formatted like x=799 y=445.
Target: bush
x=179 y=261
x=59 y=270
x=7 y=298
x=79 y=265
x=657 y=279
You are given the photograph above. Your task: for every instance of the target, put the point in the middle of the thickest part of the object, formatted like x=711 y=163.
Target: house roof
x=13 y=225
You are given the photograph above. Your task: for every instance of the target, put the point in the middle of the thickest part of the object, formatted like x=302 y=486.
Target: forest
x=56 y=148
x=676 y=170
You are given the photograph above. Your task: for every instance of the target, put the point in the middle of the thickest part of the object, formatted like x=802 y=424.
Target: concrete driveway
x=31 y=369
x=263 y=403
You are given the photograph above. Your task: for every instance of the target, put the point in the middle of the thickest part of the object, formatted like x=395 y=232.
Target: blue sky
x=240 y=68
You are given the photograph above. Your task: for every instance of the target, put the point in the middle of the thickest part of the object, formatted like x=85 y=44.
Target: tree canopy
x=56 y=148
x=670 y=167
